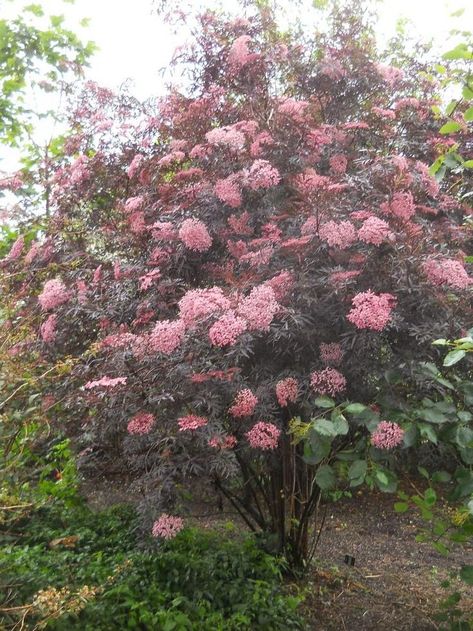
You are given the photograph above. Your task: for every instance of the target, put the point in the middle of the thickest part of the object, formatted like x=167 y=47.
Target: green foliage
x=197 y=581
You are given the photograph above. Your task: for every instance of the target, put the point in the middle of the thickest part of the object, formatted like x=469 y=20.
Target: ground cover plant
x=222 y=264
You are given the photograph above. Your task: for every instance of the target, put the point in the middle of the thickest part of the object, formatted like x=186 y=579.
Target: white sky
x=134 y=43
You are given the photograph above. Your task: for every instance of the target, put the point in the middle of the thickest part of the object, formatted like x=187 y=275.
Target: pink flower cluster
x=16 y=249
x=166 y=336
x=390 y=74
x=287 y=391
x=447 y=272
x=239 y=54
x=167 y=526
x=264 y=139
x=387 y=435
x=147 y=280
x=371 y=311
x=48 y=329
x=262 y=175
x=195 y=236
x=259 y=308
x=401 y=205
x=226 y=330
x=54 y=294
x=191 y=422
x=328 y=381
x=309 y=182
x=106 y=382
x=228 y=191
x=227 y=441
x=338 y=163
x=133 y=204
x=331 y=354
x=281 y=284
x=263 y=436
x=340 y=235
x=226 y=136
x=198 y=304
x=244 y=403
x=374 y=231
x=134 y=166
x=293 y=108
x=239 y=223
x=141 y=423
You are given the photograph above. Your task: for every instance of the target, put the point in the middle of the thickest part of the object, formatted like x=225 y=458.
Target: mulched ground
x=394 y=584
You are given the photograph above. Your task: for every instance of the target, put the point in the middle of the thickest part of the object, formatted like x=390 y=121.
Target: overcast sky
x=135 y=43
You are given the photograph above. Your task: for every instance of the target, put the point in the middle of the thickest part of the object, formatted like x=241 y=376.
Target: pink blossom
x=446 y=272
x=226 y=330
x=287 y=390
x=226 y=136
x=167 y=526
x=371 y=311
x=137 y=223
x=387 y=435
x=375 y=231
x=428 y=181
x=239 y=54
x=264 y=436
x=148 y=279
x=227 y=441
x=134 y=203
x=199 y=152
x=141 y=423
x=407 y=102
x=166 y=336
x=264 y=139
x=341 y=277
x=195 y=236
x=390 y=74
x=331 y=354
x=33 y=253
x=16 y=250
x=119 y=340
x=341 y=235
x=228 y=191
x=309 y=182
x=310 y=226
x=383 y=113
x=134 y=166
x=281 y=284
x=197 y=304
x=97 y=277
x=106 y=382
x=328 y=381
x=244 y=403
x=338 y=163
x=81 y=291
x=259 y=308
x=163 y=231
x=48 y=329
x=239 y=224
x=293 y=108
x=54 y=294
x=191 y=422
x=174 y=157
x=260 y=257
x=261 y=175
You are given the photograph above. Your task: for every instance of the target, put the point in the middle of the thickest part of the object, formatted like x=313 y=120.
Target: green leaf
x=423 y=471
x=465 y=416
x=430 y=497
x=324 y=427
x=466 y=574
x=441 y=476
x=450 y=107
x=432 y=415
x=316 y=449
x=468 y=164
x=386 y=480
x=324 y=402
x=401 y=507
x=467 y=93
x=340 y=424
x=459 y=52
x=450 y=128
x=325 y=477
x=464 y=436
x=468 y=115
x=355 y=408
x=357 y=471
x=453 y=357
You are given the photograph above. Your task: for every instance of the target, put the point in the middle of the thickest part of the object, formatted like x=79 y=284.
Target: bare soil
x=395 y=583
